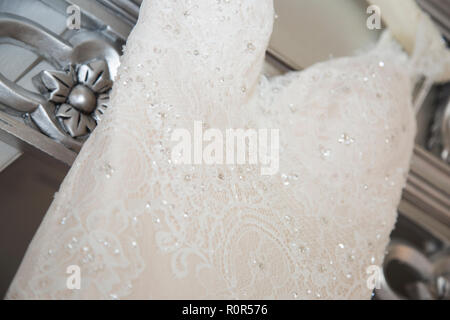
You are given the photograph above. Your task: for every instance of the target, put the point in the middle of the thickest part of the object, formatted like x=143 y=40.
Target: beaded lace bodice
x=141 y=226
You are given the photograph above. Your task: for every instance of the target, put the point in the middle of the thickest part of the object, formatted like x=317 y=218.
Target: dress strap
x=419 y=37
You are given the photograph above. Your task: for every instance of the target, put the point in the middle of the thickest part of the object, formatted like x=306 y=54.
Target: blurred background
x=43 y=35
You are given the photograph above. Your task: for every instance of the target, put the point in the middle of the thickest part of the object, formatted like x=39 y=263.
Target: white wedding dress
x=140 y=226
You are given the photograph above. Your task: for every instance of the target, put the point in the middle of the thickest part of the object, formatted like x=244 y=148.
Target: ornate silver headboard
x=69 y=97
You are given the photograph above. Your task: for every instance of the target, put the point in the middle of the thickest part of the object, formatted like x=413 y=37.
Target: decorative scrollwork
x=71 y=100
x=80 y=93
x=439 y=137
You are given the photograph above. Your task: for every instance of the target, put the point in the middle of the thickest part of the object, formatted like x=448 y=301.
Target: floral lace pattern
x=141 y=226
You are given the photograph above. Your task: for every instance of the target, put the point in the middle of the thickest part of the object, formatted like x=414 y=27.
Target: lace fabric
x=140 y=226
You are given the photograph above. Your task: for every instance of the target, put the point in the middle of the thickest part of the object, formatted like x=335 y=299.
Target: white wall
x=309 y=31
